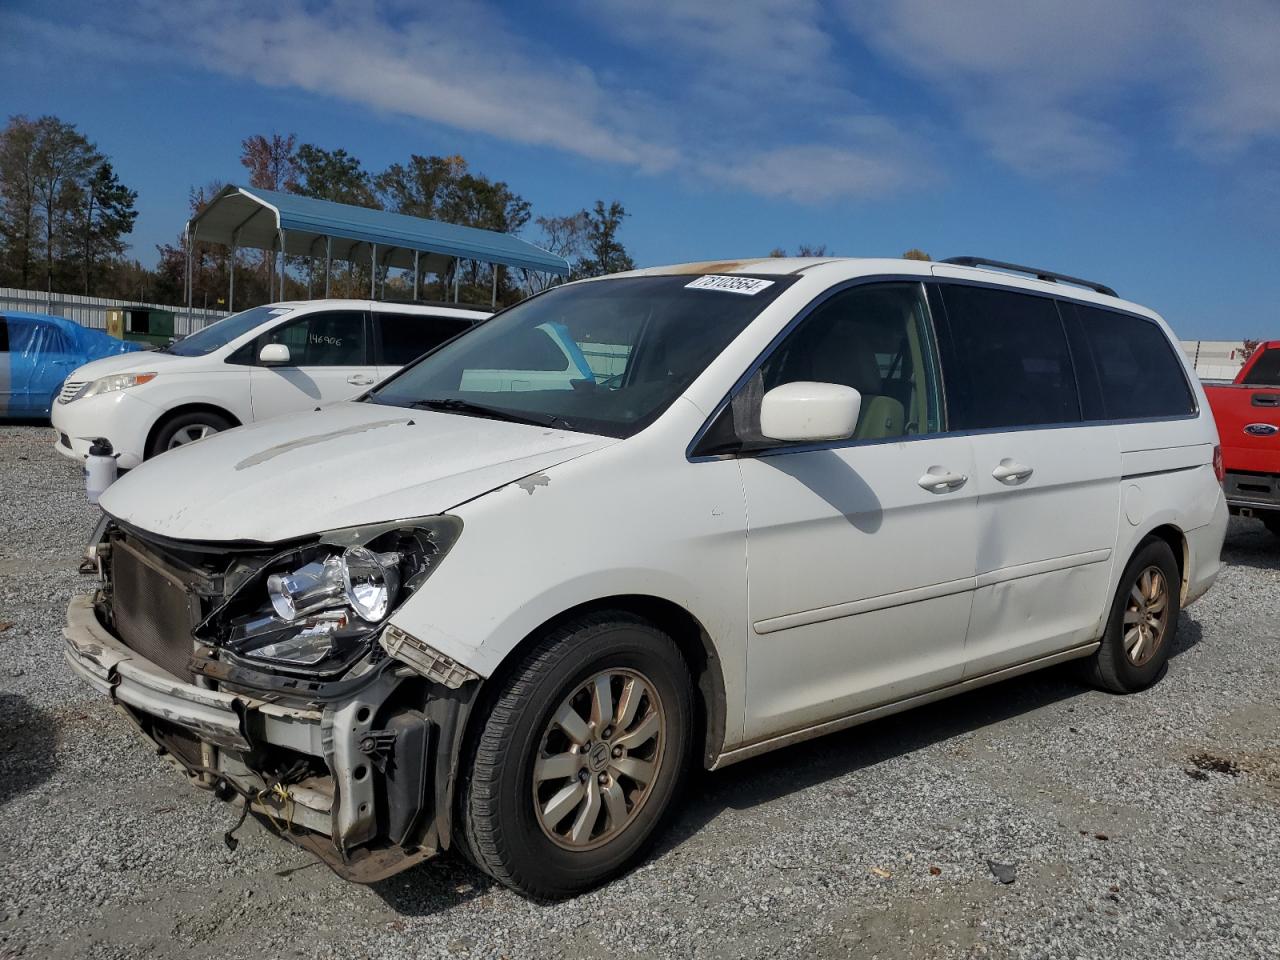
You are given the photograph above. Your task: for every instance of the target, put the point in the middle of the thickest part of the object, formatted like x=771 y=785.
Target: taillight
x=1219 y=470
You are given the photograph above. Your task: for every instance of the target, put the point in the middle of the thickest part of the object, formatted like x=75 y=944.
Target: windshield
x=602 y=357
x=218 y=335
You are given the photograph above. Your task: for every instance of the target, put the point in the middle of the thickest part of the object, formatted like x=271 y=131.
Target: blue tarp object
x=38 y=351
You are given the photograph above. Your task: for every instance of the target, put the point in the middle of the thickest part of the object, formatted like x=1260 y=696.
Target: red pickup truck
x=1248 y=414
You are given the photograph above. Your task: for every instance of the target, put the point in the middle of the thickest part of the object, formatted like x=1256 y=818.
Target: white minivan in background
x=499 y=608
x=253 y=365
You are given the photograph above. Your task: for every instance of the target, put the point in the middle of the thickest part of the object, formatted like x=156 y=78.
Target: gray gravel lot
x=1144 y=826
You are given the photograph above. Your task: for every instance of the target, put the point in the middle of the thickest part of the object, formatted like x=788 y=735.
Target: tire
x=1128 y=662
x=1272 y=522
x=569 y=849
x=186 y=427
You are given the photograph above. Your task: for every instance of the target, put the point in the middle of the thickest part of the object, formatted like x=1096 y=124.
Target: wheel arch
x=692 y=638
x=1177 y=541
x=164 y=418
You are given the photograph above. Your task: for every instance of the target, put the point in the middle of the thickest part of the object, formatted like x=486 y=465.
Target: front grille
x=69 y=390
x=153 y=612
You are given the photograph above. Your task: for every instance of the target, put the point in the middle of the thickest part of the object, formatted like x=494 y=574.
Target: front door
x=1047 y=481
x=329 y=359
x=860 y=553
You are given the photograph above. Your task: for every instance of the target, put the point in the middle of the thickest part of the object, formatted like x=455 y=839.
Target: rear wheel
x=580 y=757
x=1272 y=521
x=187 y=428
x=1143 y=622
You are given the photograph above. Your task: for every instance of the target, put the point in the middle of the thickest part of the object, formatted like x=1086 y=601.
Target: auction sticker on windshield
x=748 y=285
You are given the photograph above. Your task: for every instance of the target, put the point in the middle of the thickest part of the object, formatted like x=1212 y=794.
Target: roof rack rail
x=1036 y=272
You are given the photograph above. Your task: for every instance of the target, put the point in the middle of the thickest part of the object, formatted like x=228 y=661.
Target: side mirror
x=809 y=411
x=274 y=355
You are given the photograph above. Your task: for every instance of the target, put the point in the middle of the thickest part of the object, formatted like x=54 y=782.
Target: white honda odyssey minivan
x=256 y=364
x=486 y=609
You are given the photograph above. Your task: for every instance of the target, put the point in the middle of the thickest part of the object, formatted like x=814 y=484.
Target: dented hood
x=344 y=465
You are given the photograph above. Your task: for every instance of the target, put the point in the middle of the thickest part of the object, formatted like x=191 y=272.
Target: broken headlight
x=318 y=607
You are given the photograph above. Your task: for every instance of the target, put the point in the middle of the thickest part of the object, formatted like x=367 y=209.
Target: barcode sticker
x=746 y=285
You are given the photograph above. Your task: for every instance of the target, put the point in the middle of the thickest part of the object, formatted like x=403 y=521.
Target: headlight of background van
x=117 y=381
x=318 y=608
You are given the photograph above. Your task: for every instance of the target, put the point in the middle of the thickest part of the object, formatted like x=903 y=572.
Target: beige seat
x=841 y=358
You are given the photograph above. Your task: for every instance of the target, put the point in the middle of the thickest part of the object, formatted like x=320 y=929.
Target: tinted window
x=1139 y=374
x=607 y=356
x=1009 y=365
x=331 y=339
x=1264 y=373
x=4 y=335
x=406 y=337
x=876 y=339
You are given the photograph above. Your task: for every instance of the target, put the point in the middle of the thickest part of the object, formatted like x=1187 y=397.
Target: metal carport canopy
x=255 y=218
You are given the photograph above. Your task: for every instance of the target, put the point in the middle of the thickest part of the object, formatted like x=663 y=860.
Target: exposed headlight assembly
x=318 y=607
x=117 y=381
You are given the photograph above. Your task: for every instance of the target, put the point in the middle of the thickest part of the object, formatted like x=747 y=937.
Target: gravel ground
x=1144 y=826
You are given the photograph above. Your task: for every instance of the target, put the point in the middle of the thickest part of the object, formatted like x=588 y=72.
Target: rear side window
x=1139 y=374
x=1264 y=373
x=1008 y=363
x=406 y=337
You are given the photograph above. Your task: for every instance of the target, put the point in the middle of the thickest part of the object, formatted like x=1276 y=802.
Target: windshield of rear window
x=219 y=334
x=605 y=357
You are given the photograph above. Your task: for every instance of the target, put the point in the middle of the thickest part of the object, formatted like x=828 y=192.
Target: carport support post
x=416 y=254
x=281 y=233
x=373 y=272
x=328 y=263
x=231 y=273
x=189 y=296
x=493 y=300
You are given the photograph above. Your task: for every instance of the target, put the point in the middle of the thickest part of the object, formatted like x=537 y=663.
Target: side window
x=876 y=339
x=332 y=339
x=1139 y=374
x=4 y=335
x=1265 y=371
x=1008 y=363
x=406 y=337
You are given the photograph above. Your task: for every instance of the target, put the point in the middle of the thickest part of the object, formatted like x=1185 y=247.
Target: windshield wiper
x=454 y=405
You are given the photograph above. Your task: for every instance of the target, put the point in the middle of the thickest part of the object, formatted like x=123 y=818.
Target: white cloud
x=1048 y=87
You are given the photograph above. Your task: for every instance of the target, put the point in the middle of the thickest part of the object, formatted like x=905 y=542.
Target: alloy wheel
x=191 y=433
x=598 y=759
x=1146 y=616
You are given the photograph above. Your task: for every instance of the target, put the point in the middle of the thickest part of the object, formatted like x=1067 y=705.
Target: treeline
x=64 y=214
x=65 y=218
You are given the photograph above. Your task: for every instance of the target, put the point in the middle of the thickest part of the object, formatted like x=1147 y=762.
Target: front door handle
x=1011 y=472
x=941 y=480
x=359 y=380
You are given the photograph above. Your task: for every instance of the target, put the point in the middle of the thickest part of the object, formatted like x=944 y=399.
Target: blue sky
x=1135 y=142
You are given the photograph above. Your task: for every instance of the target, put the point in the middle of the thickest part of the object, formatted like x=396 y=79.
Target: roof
x=832 y=267
x=251 y=217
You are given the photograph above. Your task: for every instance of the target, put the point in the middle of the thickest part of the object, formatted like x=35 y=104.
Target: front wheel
x=187 y=428
x=580 y=757
x=1143 y=622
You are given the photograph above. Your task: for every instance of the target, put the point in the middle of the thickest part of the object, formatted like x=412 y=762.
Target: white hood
x=137 y=361
x=347 y=464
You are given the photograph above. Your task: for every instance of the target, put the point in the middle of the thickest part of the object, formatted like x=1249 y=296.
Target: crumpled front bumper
x=221 y=719
x=336 y=817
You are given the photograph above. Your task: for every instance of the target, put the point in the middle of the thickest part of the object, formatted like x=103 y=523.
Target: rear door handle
x=359 y=380
x=941 y=480
x=1011 y=472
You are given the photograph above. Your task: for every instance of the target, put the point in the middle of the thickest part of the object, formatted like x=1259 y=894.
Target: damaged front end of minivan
x=272 y=676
